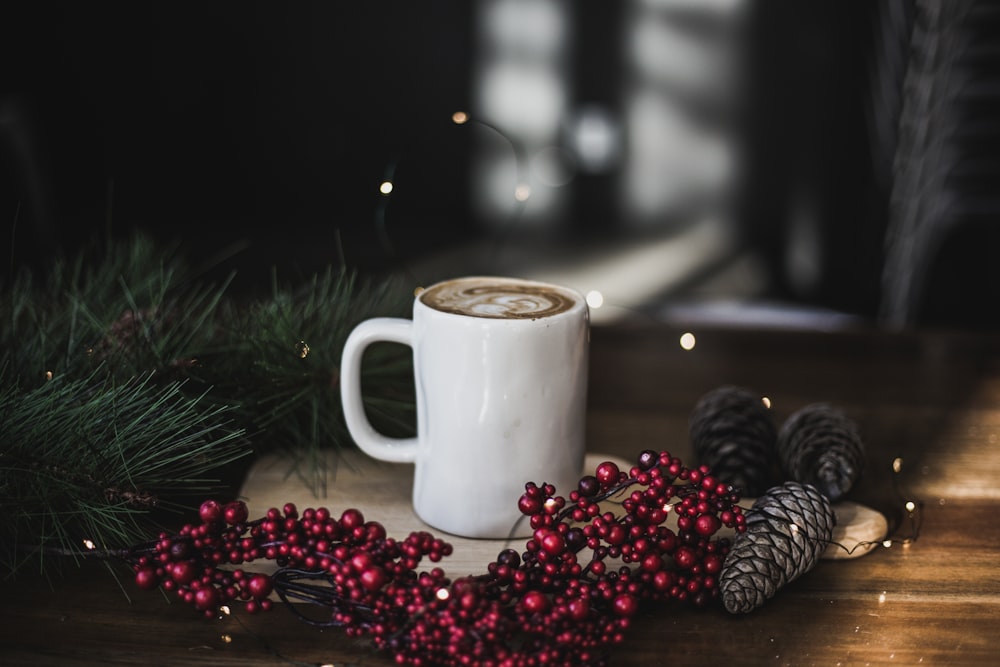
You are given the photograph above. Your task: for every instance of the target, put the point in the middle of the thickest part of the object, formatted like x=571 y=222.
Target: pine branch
x=84 y=462
x=130 y=306
x=282 y=367
x=124 y=382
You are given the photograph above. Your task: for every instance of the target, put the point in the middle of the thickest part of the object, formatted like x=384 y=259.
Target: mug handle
x=371 y=442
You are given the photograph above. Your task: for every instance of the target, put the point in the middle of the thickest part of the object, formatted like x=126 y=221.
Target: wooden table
x=930 y=399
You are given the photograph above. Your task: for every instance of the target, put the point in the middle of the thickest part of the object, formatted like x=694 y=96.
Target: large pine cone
x=788 y=529
x=820 y=445
x=734 y=434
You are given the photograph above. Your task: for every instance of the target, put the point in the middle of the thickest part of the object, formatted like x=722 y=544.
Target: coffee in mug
x=500 y=369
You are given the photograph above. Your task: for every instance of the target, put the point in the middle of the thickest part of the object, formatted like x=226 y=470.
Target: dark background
x=253 y=126
x=256 y=135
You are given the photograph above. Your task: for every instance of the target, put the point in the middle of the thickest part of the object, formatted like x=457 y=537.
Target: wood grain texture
x=929 y=399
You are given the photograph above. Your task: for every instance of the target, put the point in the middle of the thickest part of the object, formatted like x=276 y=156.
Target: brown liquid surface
x=498 y=299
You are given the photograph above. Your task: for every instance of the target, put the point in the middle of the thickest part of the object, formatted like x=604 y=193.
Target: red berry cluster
x=356 y=554
x=572 y=592
x=681 y=564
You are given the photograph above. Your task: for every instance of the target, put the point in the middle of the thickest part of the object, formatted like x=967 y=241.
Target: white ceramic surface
x=500 y=402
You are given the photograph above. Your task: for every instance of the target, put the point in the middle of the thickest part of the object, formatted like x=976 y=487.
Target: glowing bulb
x=522 y=192
x=910 y=506
x=595 y=299
x=881 y=597
x=89 y=544
x=687 y=341
x=460 y=118
x=766 y=401
x=385 y=188
x=227 y=639
x=225 y=610
x=887 y=543
x=443 y=594
x=897 y=464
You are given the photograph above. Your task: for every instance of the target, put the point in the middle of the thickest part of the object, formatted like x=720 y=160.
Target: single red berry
x=713 y=564
x=260 y=586
x=206 y=598
x=553 y=543
x=351 y=519
x=706 y=525
x=685 y=558
x=374 y=531
x=667 y=541
x=361 y=561
x=373 y=578
x=210 y=512
x=625 y=605
x=146 y=579
x=535 y=602
x=607 y=473
x=183 y=572
x=235 y=512
x=651 y=563
x=663 y=580
x=528 y=505
x=579 y=608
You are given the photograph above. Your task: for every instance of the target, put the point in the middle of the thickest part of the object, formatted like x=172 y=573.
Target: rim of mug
x=579 y=302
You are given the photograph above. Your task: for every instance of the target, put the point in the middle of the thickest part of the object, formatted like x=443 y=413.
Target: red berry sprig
x=356 y=554
x=682 y=564
x=570 y=594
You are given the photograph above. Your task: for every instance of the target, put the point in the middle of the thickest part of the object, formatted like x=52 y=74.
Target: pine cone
x=788 y=529
x=734 y=434
x=820 y=445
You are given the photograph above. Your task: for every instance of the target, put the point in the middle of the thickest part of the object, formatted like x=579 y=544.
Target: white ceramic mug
x=500 y=368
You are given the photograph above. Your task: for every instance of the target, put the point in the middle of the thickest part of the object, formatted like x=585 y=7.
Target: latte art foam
x=498 y=299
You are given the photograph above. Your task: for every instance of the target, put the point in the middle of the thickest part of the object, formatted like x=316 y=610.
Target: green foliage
x=124 y=380
x=84 y=461
x=129 y=307
x=281 y=366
